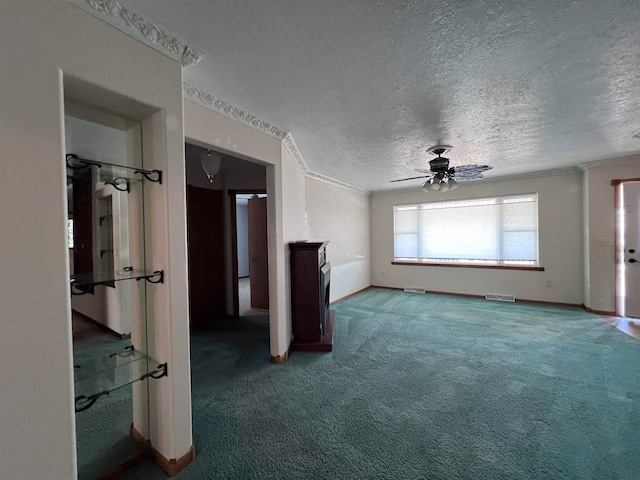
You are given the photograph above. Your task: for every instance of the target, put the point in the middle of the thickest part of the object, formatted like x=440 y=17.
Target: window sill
x=469 y=265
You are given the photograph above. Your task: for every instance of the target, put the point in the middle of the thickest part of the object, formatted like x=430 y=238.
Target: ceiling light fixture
x=211 y=162
x=441 y=182
x=440 y=177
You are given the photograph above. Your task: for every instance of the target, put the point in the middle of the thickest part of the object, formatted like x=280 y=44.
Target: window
x=484 y=231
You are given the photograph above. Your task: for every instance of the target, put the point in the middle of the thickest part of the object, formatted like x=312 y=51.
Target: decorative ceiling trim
x=232 y=112
x=292 y=148
x=337 y=183
x=143 y=29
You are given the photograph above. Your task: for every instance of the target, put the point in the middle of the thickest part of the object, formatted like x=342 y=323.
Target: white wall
x=600 y=277
x=560 y=244
x=342 y=217
x=293 y=207
x=37 y=431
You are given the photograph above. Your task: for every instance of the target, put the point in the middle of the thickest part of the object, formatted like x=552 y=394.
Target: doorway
x=249 y=252
x=628 y=248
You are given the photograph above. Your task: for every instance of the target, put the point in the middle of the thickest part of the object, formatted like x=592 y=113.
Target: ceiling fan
x=442 y=178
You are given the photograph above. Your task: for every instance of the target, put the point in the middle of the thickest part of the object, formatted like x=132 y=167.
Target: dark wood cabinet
x=312 y=320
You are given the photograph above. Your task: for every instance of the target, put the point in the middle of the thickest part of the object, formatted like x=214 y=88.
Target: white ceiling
x=365 y=87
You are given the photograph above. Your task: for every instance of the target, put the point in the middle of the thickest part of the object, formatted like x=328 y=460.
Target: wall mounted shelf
x=117 y=175
x=82 y=284
x=97 y=377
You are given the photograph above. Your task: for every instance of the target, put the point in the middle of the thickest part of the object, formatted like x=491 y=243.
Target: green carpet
x=419 y=387
x=103 y=432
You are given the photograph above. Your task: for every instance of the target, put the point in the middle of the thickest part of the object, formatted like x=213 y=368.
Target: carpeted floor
x=102 y=431
x=419 y=386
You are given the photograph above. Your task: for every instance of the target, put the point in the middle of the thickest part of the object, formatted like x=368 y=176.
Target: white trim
x=213 y=103
x=142 y=29
x=231 y=111
x=610 y=162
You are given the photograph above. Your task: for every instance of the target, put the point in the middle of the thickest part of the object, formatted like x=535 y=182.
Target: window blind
x=491 y=230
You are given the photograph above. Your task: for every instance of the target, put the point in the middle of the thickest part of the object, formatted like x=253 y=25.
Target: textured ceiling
x=366 y=87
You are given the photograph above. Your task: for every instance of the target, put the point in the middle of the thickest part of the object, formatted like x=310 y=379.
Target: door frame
x=234 y=242
x=619 y=240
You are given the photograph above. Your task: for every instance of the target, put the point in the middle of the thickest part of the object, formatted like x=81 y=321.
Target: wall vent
x=414 y=289
x=499 y=298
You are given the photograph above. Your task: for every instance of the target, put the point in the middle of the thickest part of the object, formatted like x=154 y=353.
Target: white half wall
x=342 y=217
x=600 y=231
x=560 y=244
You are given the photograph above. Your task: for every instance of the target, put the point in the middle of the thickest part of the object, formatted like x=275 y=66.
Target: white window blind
x=485 y=230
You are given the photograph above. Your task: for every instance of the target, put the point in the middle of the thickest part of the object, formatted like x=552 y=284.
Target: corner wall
x=342 y=217
x=560 y=244
x=37 y=430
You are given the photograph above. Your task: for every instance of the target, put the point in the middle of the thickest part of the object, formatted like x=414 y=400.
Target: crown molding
x=610 y=162
x=142 y=29
x=292 y=148
x=232 y=111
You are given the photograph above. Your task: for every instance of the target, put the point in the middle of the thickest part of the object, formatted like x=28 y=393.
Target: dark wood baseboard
x=130 y=461
x=325 y=344
x=170 y=466
x=471 y=295
x=351 y=295
x=599 y=312
x=278 y=359
x=121 y=336
x=175 y=465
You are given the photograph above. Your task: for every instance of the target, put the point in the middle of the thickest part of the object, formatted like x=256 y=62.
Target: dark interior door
x=82 y=221
x=205 y=235
x=258 y=256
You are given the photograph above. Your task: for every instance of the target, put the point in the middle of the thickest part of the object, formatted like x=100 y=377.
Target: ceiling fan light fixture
x=453 y=184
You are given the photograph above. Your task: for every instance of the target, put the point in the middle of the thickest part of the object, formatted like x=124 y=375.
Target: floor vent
x=414 y=289
x=499 y=298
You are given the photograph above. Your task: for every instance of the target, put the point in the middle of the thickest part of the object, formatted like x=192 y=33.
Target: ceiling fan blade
x=466 y=176
x=423 y=170
x=411 y=178
x=470 y=168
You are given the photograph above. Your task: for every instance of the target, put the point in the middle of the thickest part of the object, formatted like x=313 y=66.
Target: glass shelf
x=85 y=283
x=95 y=378
x=117 y=175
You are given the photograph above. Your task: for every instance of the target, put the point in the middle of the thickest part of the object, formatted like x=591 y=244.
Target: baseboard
x=174 y=466
x=599 y=312
x=471 y=295
x=350 y=295
x=137 y=436
x=281 y=358
x=171 y=467
x=121 y=336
